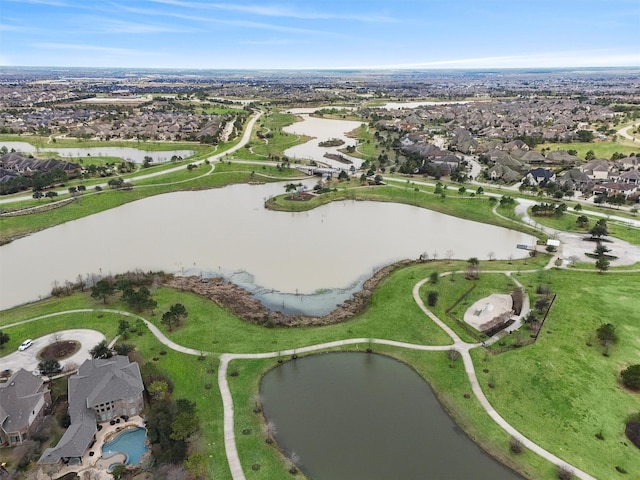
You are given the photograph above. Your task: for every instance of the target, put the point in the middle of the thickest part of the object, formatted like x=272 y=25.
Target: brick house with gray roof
x=103 y=389
x=23 y=400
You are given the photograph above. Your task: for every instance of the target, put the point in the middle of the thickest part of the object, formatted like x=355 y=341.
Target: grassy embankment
x=269 y=148
x=525 y=391
x=567 y=222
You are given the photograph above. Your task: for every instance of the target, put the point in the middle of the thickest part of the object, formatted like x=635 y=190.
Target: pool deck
x=96 y=462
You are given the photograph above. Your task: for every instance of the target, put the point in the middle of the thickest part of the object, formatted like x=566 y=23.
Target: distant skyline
x=320 y=34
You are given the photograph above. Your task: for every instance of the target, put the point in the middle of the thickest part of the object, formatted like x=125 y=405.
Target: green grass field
x=600 y=149
x=558 y=381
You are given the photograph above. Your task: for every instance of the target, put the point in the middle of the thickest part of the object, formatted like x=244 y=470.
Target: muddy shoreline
x=242 y=304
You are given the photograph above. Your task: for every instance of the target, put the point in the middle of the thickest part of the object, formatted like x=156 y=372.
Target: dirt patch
x=59 y=350
x=299 y=197
x=240 y=302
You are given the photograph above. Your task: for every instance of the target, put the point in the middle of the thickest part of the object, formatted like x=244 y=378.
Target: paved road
x=28 y=360
x=624 y=132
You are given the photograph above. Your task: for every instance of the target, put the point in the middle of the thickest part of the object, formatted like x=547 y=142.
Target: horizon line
x=357 y=68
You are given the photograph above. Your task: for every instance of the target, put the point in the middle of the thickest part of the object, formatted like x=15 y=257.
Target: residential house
x=561 y=157
x=628 y=163
x=632 y=176
x=100 y=391
x=576 y=179
x=504 y=173
x=23 y=400
x=539 y=176
x=616 y=188
x=597 y=169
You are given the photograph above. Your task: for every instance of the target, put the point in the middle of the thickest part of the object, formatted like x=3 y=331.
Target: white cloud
x=277 y=11
x=90 y=48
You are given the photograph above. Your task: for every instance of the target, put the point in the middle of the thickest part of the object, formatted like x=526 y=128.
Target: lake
x=322 y=129
x=228 y=232
x=129 y=154
x=359 y=416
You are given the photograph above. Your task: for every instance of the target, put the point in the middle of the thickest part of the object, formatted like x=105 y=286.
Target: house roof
x=19 y=396
x=541 y=173
x=575 y=175
x=97 y=381
x=101 y=381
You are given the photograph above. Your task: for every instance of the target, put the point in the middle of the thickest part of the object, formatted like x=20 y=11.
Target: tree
x=584 y=135
x=602 y=264
x=631 y=376
x=179 y=311
x=169 y=320
x=186 y=420
x=123 y=348
x=196 y=465
x=49 y=367
x=577 y=208
x=158 y=389
x=102 y=289
x=599 y=229
x=590 y=155
x=601 y=249
x=118 y=471
x=101 y=350
x=606 y=333
x=124 y=327
x=51 y=194
x=432 y=298
x=473 y=271
x=582 y=221
x=4 y=338
x=434 y=277
x=38 y=195
x=140 y=299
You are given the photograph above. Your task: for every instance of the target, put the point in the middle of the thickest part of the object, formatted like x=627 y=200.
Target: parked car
x=26 y=344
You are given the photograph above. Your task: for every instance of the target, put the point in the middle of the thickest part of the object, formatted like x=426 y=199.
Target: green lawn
x=563 y=383
x=600 y=149
x=567 y=222
x=558 y=381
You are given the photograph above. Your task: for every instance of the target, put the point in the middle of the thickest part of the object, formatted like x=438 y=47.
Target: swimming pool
x=131 y=443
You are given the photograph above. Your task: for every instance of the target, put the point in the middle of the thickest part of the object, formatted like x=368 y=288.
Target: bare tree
x=449 y=254
x=56 y=337
x=91 y=474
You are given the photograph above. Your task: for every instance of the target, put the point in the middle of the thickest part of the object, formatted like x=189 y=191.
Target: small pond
x=351 y=416
x=130 y=154
x=130 y=442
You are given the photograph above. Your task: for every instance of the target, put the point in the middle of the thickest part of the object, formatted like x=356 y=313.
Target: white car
x=26 y=344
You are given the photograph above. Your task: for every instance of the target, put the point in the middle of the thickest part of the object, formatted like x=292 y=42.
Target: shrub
x=606 y=333
x=515 y=445
x=631 y=376
x=632 y=431
x=432 y=298
x=565 y=473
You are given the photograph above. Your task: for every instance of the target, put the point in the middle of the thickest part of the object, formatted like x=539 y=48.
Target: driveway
x=28 y=360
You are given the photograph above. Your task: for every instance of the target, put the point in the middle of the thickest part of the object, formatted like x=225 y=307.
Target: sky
x=320 y=34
